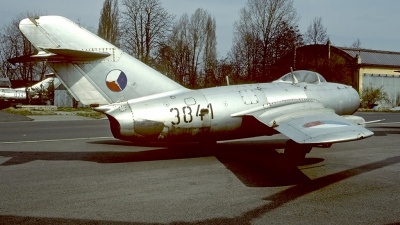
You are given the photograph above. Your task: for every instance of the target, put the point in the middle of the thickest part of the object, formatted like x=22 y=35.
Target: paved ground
x=9 y=117
x=62 y=116
x=59 y=118
x=63 y=172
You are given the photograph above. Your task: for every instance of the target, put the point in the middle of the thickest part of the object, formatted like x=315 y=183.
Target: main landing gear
x=295 y=153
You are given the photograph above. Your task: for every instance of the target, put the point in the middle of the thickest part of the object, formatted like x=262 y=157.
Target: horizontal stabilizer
x=60 y=55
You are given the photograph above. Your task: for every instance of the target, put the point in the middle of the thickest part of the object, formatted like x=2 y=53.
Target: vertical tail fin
x=93 y=70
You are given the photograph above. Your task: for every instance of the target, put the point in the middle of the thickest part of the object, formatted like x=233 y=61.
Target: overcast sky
x=375 y=22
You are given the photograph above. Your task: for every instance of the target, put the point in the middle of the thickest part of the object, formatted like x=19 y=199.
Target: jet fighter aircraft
x=144 y=105
x=11 y=96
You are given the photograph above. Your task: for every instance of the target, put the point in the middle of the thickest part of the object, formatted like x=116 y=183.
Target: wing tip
x=344 y=136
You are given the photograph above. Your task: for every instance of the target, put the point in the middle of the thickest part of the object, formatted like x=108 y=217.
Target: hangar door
x=390 y=83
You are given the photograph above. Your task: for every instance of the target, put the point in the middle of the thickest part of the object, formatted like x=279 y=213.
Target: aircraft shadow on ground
x=272 y=202
x=255 y=163
x=258 y=164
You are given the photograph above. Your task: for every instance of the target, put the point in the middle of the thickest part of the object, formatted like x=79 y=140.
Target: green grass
x=87 y=112
x=22 y=112
x=93 y=114
x=70 y=109
x=377 y=110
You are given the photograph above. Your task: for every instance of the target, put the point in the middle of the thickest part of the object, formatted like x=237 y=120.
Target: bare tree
x=190 y=50
x=145 y=26
x=256 y=33
x=201 y=31
x=356 y=44
x=175 y=53
x=109 y=22
x=210 y=53
x=316 y=33
x=14 y=44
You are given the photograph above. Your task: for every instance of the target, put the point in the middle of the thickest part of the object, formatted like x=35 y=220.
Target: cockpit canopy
x=301 y=76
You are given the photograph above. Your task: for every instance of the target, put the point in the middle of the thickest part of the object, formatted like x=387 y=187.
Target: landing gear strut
x=295 y=153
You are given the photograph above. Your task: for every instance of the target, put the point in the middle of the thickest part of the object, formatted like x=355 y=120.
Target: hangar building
x=357 y=67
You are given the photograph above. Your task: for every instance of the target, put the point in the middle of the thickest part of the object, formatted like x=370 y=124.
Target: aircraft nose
x=354 y=100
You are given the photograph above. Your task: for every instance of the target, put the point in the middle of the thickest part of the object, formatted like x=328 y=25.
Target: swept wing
x=309 y=123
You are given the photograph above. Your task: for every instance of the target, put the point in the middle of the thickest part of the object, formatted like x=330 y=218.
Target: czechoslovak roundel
x=116 y=80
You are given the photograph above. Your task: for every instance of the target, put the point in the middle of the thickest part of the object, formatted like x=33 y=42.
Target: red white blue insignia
x=116 y=80
x=325 y=124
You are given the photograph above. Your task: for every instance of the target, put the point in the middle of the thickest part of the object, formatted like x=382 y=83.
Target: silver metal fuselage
x=143 y=104
x=19 y=94
x=12 y=94
x=215 y=113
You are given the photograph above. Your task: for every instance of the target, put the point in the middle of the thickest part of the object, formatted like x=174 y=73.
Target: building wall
x=63 y=99
x=376 y=71
x=382 y=77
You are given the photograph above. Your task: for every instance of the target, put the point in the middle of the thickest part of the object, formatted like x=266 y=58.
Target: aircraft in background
x=144 y=105
x=12 y=96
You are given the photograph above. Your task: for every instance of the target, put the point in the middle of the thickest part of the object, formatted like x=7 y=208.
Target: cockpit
x=301 y=76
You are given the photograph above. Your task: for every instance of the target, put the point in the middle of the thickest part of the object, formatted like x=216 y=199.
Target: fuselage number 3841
x=187 y=113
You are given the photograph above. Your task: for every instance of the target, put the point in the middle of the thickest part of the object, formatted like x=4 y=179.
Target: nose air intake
x=354 y=100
